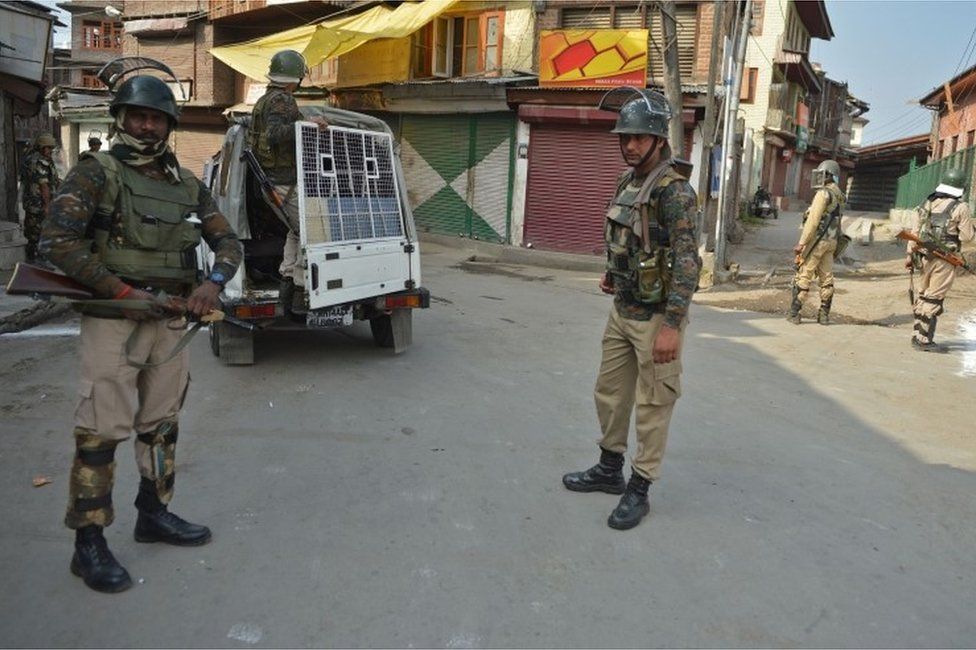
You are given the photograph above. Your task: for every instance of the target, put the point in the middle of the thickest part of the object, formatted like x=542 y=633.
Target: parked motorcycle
x=762 y=205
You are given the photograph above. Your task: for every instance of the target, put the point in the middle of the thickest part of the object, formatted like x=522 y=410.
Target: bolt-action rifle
x=936 y=250
x=268 y=188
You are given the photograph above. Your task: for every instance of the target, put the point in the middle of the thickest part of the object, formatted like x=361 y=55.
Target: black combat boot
x=606 y=476
x=794 y=315
x=633 y=504
x=823 y=316
x=95 y=564
x=930 y=346
x=157 y=524
x=286 y=294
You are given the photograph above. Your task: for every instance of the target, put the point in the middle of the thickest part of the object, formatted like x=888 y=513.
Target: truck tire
x=382 y=329
x=234 y=345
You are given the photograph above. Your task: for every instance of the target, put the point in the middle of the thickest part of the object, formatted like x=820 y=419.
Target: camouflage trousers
x=32 y=232
x=820 y=265
x=116 y=399
x=931 y=291
x=292 y=261
x=628 y=375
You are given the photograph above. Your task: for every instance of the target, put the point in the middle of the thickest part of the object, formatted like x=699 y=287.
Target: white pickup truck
x=357 y=232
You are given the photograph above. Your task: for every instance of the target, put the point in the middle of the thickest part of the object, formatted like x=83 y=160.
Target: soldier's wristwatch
x=218 y=278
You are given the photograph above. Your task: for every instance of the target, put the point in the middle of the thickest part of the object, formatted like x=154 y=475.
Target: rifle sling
x=182 y=343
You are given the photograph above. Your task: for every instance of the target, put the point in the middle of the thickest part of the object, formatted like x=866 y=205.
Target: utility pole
x=726 y=192
x=711 y=110
x=672 y=78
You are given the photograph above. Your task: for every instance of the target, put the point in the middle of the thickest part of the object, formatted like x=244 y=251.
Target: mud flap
x=401 y=321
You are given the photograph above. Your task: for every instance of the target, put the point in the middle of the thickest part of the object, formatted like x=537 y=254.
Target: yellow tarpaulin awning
x=331 y=38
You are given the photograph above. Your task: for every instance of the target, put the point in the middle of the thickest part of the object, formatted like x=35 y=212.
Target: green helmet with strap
x=819 y=176
x=147 y=92
x=287 y=66
x=955 y=177
x=645 y=112
x=45 y=140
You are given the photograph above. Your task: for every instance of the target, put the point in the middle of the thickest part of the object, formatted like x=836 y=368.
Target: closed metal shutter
x=588 y=17
x=572 y=175
x=458 y=172
x=875 y=188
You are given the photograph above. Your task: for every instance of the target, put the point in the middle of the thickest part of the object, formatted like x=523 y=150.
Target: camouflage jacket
x=67 y=234
x=272 y=134
x=677 y=207
x=38 y=170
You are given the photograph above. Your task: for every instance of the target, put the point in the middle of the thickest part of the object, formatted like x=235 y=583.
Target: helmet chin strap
x=651 y=150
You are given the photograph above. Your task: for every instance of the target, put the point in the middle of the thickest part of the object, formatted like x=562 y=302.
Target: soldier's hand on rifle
x=139 y=314
x=203 y=300
x=798 y=249
x=606 y=283
x=321 y=121
x=909 y=262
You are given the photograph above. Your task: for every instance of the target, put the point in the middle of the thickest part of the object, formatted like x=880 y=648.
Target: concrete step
x=12 y=252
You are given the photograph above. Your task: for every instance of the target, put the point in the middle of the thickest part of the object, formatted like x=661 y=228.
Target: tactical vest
x=278 y=162
x=641 y=271
x=154 y=238
x=933 y=225
x=829 y=226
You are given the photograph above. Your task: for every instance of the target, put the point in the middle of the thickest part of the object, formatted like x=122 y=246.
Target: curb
x=505 y=254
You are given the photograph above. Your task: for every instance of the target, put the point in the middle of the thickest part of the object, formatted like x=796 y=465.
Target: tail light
x=266 y=310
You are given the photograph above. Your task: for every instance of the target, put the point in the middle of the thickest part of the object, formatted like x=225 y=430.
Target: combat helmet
x=819 y=176
x=643 y=111
x=287 y=66
x=44 y=140
x=954 y=177
x=147 y=92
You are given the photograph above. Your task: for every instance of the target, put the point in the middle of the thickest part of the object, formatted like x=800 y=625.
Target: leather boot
x=606 y=476
x=930 y=346
x=823 y=316
x=95 y=564
x=286 y=294
x=795 y=305
x=633 y=504
x=156 y=523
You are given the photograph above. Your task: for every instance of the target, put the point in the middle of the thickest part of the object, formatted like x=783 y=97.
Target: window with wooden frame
x=955 y=144
x=101 y=35
x=750 y=77
x=89 y=79
x=420 y=46
x=461 y=45
x=970 y=138
x=758 y=10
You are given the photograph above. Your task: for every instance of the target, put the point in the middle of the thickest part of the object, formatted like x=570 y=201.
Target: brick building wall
x=957 y=131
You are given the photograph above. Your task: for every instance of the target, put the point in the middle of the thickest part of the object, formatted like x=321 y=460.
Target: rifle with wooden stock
x=937 y=250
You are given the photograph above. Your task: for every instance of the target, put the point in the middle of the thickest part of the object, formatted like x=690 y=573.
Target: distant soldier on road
x=39 y=177
x=652 y=272
x=272 y=139
x=818 y=243
x=94 y=141
x=127 y=223
x=944 y=219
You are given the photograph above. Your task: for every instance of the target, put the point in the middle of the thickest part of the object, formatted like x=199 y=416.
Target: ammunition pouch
x=648 y=273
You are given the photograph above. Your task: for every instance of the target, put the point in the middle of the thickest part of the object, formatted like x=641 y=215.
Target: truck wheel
x=382 y=328
x=235 y=345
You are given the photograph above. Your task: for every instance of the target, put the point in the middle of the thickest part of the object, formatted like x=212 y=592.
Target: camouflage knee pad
x=156 y=452
x=826 y=293
x=90 y=485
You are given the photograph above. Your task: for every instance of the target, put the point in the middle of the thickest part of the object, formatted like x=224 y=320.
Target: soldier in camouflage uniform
x=271 y=137
x=943 y=218
x=652 y=272
x=40 y=181
x=127 y=223
x=818 y=243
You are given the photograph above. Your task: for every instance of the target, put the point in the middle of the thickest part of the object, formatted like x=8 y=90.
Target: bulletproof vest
x=278 y=162
x=829 y=226
x=640 y=270
x=933 y=226
x=154 y=239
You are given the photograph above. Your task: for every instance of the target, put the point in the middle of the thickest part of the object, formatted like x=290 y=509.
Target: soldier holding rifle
x=127 y=223
x=942 y=222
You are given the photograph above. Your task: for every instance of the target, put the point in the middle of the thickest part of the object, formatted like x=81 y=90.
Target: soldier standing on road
x=818 y=242
x=652 y=271
x=40 y=181
x=943 y=218
x=127 y=222
x=272 y=139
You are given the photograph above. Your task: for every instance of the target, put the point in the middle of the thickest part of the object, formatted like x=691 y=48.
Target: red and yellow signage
x=592 y=58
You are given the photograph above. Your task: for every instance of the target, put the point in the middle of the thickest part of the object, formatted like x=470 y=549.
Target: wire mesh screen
x=348 y=185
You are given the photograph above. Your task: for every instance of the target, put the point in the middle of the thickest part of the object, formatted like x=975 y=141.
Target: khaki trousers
x=292 y=262
x=819 y=265
x=934 y=284
x=628 y=375
x=116 y=399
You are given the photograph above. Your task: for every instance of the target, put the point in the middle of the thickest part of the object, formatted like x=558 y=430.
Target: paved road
x=360 y=499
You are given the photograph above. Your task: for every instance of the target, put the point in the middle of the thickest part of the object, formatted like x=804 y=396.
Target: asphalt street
x=363 y=499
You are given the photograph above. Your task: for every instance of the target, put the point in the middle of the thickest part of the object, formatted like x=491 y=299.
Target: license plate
x=337 y=316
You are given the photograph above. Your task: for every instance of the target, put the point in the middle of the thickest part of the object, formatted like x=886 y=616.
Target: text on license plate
x=337 y=316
